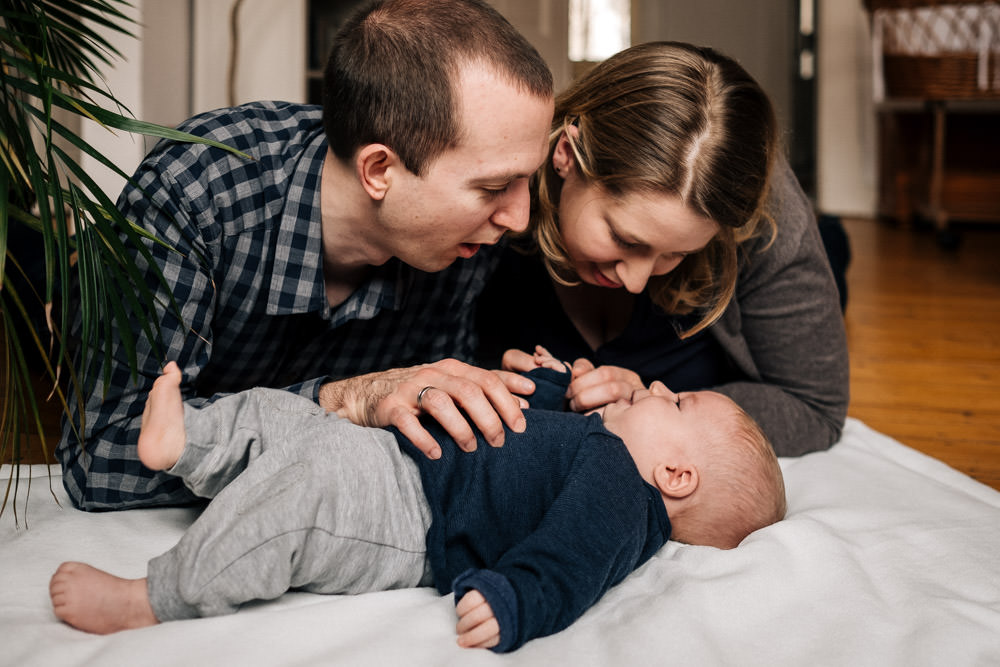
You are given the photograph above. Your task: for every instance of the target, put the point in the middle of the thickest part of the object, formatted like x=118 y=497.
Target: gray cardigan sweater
x=785 y=331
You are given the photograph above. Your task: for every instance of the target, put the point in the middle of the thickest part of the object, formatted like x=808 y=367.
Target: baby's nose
x=660 y=389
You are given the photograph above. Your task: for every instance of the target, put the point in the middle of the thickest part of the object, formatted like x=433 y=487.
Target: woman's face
x=623 y=241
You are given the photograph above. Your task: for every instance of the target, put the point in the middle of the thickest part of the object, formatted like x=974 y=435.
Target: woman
x=670 y=241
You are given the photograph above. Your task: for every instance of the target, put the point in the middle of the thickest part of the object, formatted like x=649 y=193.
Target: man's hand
x=593 y=387
x=444 y=388
x=477 y=626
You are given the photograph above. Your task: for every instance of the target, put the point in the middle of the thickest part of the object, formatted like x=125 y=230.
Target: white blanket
x=887 y=557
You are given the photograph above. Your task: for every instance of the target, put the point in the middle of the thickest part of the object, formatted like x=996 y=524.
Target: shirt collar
x=297 y=279
x=297 y=274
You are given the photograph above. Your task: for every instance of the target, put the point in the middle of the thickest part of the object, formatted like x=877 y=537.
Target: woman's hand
x=477 y=626
x=593 y=387
x=443 y=390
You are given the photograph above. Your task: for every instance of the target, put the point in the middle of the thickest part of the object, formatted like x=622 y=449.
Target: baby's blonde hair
x=741 y=487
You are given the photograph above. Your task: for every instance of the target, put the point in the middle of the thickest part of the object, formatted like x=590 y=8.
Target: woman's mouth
x=604 y=281
x=467 y=250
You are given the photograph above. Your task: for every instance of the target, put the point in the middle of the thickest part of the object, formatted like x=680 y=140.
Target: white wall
x=271 y=57
x=167 y=74
x=125 y=81
x=544 y=23
x=846 y=143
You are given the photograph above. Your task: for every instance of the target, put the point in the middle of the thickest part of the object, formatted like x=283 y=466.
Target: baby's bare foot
x=161 y=439
x=94 y=601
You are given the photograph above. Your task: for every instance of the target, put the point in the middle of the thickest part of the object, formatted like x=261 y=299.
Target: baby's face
x=656 y=420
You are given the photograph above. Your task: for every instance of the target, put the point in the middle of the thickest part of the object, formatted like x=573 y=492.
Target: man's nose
x=514 y=208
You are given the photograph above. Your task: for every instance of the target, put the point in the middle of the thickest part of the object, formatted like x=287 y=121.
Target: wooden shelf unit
x=940 y=160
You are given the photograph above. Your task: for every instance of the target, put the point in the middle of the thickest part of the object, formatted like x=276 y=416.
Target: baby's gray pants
x=302 y=499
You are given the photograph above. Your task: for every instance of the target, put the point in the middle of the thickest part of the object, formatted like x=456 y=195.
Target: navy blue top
x=542 y=526
x=520 y=309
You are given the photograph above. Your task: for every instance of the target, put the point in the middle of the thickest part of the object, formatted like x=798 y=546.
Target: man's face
x=472 y=194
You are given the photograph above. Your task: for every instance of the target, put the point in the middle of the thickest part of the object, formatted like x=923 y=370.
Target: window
x=598 y=29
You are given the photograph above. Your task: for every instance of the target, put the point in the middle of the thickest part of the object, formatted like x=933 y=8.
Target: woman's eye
x=622 y=243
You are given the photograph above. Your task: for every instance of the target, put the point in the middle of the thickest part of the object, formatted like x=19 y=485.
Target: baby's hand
x=544 y=359
x=477 y=626
x=520 y=361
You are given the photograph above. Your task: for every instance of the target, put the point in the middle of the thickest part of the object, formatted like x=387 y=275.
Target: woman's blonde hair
x=668 y=117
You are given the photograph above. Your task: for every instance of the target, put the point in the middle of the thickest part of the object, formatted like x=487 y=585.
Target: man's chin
x=443 y=261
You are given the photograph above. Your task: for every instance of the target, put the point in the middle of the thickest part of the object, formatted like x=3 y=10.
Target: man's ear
x=563 y=159
x=677 y=481
x=372 y=164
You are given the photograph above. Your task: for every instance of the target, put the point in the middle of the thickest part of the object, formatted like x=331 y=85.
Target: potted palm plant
x=60 y=234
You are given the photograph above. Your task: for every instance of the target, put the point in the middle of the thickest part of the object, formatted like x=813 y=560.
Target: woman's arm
x=785 y=332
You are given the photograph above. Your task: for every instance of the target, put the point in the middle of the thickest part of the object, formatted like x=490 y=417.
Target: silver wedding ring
x=420 y=397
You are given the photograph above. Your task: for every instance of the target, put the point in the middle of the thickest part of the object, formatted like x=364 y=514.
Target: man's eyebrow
x=501 y=178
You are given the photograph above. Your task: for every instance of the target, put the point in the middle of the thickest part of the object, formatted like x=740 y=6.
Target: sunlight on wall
x=598 y=28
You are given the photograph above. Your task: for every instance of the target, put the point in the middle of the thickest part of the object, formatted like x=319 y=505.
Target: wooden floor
x=923 y=330
x=923 y=327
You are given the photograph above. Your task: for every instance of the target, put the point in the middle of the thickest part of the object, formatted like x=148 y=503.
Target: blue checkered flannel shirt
x=247 y=277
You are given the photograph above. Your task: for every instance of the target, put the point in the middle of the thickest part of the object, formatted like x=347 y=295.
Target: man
x=355 y=240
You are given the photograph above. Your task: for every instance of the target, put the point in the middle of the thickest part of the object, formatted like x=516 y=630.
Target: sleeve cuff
x=550 y=388
x=500 y=595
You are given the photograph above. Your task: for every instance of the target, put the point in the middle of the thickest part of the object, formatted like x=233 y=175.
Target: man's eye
x=496 y=192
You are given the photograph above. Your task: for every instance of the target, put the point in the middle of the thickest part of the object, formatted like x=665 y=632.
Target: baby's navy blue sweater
x=542 y=526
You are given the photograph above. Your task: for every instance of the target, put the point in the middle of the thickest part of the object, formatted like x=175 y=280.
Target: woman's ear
x=676 y=482
x=372 y=164
x=563 y=159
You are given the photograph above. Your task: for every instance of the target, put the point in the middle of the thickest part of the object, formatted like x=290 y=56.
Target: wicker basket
x=932 y=50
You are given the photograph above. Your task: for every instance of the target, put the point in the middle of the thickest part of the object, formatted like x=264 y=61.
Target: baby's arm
x=595 y=532
x=551 y=378
x=477 y=626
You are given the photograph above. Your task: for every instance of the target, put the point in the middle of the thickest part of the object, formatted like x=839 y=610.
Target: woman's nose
x=636 y=272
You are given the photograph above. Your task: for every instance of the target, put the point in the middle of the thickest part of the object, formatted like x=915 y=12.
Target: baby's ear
x=676 y=482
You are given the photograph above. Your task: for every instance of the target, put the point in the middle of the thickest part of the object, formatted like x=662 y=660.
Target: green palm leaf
x=50 y=58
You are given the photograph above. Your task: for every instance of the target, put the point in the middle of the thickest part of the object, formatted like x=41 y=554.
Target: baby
x=528 y=536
